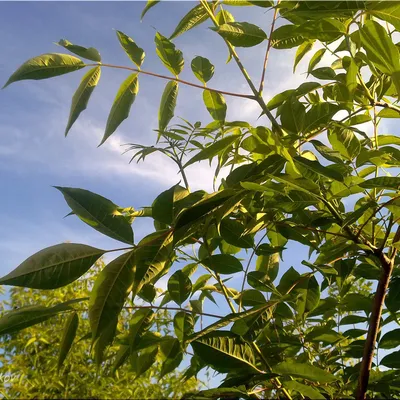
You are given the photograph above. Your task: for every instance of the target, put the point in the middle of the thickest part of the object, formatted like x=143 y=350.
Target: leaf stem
x=176 y=309
x=269 y=45
x=257 y=96
x=276 y=381
x=170 y=78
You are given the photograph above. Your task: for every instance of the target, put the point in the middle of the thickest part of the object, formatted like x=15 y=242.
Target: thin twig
x=269 y=45
x=245 y=74
x=176 y=309
x=170 y=78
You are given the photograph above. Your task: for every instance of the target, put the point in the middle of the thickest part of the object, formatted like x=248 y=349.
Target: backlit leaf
x=171 y=57
x=53 y=266
x=179 y=287
x=215 y=104
x=241 y=34
x=69 y=333
x=194 y=17
x=110 y=291
x=214 y=149
x=82 y=95
x=46 y=66
x=202 y=69
x=133 y=51
x=167 y=105
x=305 y=371
x=122 y=105
x=99 y=213
x=223 y=263
x=89 y=53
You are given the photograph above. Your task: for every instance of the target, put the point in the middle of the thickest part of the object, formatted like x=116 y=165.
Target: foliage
x=310 y=174
x=53 y=359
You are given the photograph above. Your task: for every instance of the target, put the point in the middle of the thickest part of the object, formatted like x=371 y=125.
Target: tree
x=308 y=174
x=36 y=364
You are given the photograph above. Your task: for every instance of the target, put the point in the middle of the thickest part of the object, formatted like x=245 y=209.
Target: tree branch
x=373 y=329
x=170 y=78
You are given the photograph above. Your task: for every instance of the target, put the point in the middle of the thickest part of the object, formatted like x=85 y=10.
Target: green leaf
x=292 y=115
x=179 y=287
x=286 y=37
x=194 y=17
x=303 y=49
x=172 y=354
x=144 y=361
x=308 y=295
x=220 y=392
x=104 y=340
x=388 y=113
x=324 y=73
x=241 y=34
x=202 y=69
x=110 y=291
x=149 y=4
x=390 y=340
x=345 y=142
x=89 y=53
x=82 y=95
x=230 y=318
x=224 y=16
x=46 y=66
x=351 y=78
x=203 y=207
x=382 y=182
x=120 y=358
x=233 y=233
x=167 y=105
x=24 y=317
x=392 y=360
x=214 y=149
x=392 y=300
x=183 y=325
x=215 y=104
x=152 y=254
x=250 y=298
x=385 y=10
x=53 y=266
x=99 y=213
x=133 y=51
x=171 y=57
x=325 y=30
x=316 y=167
x=388 y=139
x=139 y=324
x=69 y=333
x=352 y=319
x=305 y=371
x=225 y=352
x=223 y=264
x=315 y=59
x=122 y=104
x=305 y=390
x=380 y=49
x=164 y=208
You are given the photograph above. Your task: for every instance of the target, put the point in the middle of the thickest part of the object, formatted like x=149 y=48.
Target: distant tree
x=29 y=358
